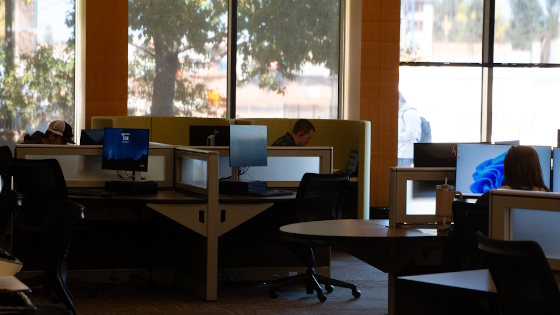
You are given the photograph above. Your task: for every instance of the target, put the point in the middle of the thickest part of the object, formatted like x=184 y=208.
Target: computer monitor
x=556 y=170
x=91 y=137
x=435 y=154
x=125 y=149
x=209 y=136
x=247 y=146
x=480 y=166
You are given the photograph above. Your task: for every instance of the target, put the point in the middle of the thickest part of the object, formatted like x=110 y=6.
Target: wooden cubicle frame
x=398 y=178
x=503 y=200
x=36 y=151
x=189 y=215
x=324 y=153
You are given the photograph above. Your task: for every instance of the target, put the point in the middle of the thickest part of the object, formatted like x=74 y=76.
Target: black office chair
x=42 y=185
x=460 y=252
x=10 y=201
x=522 y=276
x=5 y=173
x=318 y=198
x=5 y=187
x=55 y=251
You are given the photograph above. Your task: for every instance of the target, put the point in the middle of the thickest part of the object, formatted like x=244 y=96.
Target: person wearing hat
x=59 y=132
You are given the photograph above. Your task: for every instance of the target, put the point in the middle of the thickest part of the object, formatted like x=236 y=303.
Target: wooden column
x=106 y=58
x=379 y=90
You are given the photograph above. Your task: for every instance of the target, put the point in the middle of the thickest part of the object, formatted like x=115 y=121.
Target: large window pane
x=526 y=31
x=287 y=58
x=441 y=30
x=448 y=97
x=177 y=58
x=525 y=105
x=36 y=65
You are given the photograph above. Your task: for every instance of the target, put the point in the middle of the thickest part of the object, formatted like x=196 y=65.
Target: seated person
x=59 y=132
x=522 y=170
x=301 y=134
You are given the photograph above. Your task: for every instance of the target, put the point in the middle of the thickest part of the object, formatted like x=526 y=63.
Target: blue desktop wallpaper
x=125 y=149
x=488 y=175
x=480 y=167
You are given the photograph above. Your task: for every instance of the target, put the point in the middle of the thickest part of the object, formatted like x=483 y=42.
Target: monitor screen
x=247 y=145
x=435 y=154
x=198 y=135
x=91 y=136
x=480 y=167
x=125 y=149
x=556 y=170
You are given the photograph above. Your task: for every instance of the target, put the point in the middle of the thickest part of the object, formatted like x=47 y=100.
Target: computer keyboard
x=89 y=192
x=270 y=192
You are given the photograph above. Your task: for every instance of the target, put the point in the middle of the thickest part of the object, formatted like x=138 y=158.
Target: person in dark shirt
x=522 y=170
x=59 y=132
x=301 y=134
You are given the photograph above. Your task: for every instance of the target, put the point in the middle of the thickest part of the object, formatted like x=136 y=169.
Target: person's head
x=522 y=169
x=59 y=132
x=302 y=132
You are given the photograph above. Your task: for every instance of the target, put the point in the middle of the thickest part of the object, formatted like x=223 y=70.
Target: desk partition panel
x=81 y=165
x=527 y=215
x=196 y=170
x=412 y=193
x=286 y=165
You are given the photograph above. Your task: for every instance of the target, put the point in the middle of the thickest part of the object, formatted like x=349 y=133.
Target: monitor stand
x=135 y=187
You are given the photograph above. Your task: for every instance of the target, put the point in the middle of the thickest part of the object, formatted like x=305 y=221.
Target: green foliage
x=289 y=33
x=40 y=86
x=46 y=85
x=275 y=39
x=461 y=18
x=528 y=23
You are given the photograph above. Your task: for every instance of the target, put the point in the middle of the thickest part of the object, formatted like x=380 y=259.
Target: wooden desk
x=397 y=251
x=208 y=218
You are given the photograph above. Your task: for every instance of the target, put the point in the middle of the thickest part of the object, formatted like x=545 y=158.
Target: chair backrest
x=461 y=247
x=42 y=184
x=319 y=196
x=522 y=276
x=5 y=172
x=10 y=202
x=56 y=249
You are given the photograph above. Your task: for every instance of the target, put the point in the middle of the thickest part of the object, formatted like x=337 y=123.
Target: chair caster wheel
x=322 y=298
x=329 y=288
x=356 y=293
x=273 y=294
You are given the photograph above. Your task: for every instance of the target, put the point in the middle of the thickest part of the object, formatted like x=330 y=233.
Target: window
x=462 y=81
x=286 y=60
x=37 y=66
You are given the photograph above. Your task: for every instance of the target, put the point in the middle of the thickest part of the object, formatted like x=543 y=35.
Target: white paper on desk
x=12 y=283
x=9 y=267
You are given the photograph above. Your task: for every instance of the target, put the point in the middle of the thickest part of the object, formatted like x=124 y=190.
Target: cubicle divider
x=192 y=171
x=81 y=164
x=286 y=165
x=527 y=215
x=412 y=193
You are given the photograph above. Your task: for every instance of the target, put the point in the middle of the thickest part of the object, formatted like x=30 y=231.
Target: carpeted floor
x=240 y=299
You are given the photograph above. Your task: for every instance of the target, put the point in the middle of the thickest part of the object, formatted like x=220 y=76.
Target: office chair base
x=312 y=285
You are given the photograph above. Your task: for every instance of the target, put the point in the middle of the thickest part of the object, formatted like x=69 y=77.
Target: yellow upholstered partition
x=140 y=122
x=346 y=136
x=175 y=130
x=343 y=135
